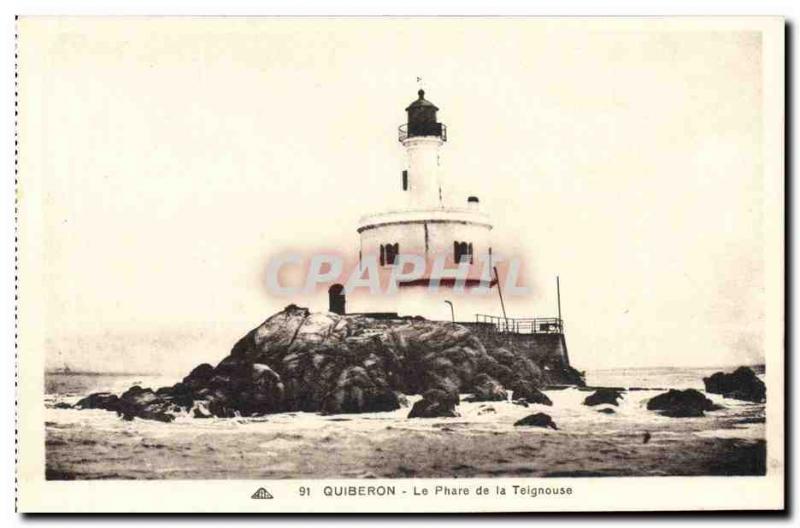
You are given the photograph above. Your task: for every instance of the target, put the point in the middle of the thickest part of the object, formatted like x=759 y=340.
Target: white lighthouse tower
x=423 y=136
x=444 y=233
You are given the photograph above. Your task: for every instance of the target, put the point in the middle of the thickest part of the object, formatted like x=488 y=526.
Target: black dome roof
x=421 y=102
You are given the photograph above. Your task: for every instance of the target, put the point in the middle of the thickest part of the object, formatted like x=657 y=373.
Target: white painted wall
x=424 y=178
x=441 y=234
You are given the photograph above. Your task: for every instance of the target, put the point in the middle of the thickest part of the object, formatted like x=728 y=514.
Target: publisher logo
x=261 y=493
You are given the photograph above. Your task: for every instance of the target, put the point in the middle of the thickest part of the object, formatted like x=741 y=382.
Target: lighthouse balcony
x=408 y=130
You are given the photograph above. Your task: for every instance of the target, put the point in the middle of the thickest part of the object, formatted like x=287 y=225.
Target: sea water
x=483 y=441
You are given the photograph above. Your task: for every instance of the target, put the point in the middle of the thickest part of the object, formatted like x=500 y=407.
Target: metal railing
x=422 y=129
x=503 y=325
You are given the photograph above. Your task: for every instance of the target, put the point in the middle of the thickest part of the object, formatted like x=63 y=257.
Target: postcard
x=400 y=264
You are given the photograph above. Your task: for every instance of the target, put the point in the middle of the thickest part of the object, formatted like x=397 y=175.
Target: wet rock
x=511 y=367
x=741 y=384
x=221 y=409
x=607 y=410
x=356 y=391
x=537 y=420
x=199 y=375
x=538 y=397
x=568 y=375
x=486 y=410
x=181 y=395
x=259 y=390
x=488 y=389
x=99 y=400
x=604 y=396
x=137 y=395
x=527 y=391
x=435 y=403
x=217 y=401
x=62 y=405
x=681 y=403
x=138 y=402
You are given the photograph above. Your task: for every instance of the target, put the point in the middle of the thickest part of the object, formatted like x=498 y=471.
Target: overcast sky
x=178 y=156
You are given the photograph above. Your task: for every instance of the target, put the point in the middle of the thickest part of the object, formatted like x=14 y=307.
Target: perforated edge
x=16 y=263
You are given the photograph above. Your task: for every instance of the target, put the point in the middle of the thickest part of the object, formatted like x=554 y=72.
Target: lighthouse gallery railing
x=422 y=129
x=536 y=325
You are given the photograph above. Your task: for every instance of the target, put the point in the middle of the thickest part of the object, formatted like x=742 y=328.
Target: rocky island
x=298 y=360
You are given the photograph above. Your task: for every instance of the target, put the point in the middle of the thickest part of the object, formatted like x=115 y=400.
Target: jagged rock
x=539 y=398
x=138 y=395
x=741 y=384
x=99 y=400
x=259 y=391
x=604 y=396
x=351 y=363
x=512 y=369
x=527 y=390
x=137 y=402
x=681 y=403
x=537 y=420
x=357 y=392
x=216 y=400
x=221 y=408
x=488 y=389
x=435 y=403
x=297 y=360
x=181 y=395
x=199 y=375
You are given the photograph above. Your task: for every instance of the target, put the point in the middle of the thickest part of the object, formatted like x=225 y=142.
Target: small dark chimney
x=336 y=300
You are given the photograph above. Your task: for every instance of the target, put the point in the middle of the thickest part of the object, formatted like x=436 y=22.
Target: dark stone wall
x=548 y=351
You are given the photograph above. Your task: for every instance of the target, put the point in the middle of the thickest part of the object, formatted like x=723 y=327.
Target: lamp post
x=452 y=312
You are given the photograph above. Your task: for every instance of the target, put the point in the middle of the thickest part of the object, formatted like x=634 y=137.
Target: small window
x=462 y=252
x=392 y=250
x=405 y=180
x=389 y=253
